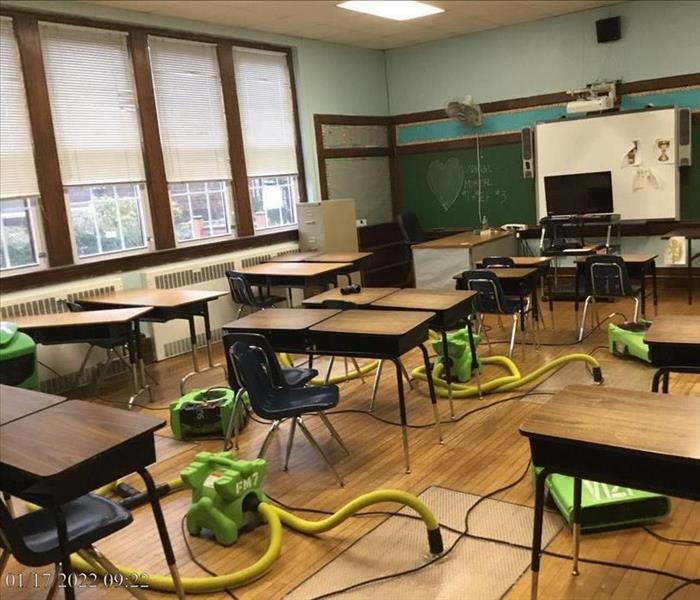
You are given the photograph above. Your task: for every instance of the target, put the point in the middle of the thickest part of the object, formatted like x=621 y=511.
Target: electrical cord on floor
x=197 y=562
x=680 y=587
x=144 y=406
x=669 y=540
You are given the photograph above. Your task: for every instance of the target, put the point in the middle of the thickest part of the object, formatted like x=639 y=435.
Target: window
x=269 y=135
x=194 y=137
x=98 y=137
x=20 y=245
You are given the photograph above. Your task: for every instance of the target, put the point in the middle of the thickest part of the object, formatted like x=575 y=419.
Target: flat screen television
x=583 y=193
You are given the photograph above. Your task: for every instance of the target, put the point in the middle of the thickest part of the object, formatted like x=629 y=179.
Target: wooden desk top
x=636 y=422
x=328 y=257
x=298 y=269
x=366 y=296
x=16 y=403
x=85 y=317
x=283 y=319
x=293 y=257
x=364 y=322
x=418 y=299
x=508 y=272
x=531 y=261
x=630 y=259
x=155 y=298
x=466 y=239
x=62 y=437
x=692 y=232
x=674 y=329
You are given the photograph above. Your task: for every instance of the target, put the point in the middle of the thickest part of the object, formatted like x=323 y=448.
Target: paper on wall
x=675 y=252
x=632 y=156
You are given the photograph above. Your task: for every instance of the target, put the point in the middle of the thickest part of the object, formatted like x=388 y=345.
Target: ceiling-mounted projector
x=595 y=97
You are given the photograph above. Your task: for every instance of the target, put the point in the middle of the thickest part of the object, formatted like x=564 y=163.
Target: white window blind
x=267 y=114
x=17 y=172
x=190 y=106
x=93 y=104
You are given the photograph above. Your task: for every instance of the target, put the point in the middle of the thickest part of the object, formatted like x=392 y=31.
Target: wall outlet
x=361 y=222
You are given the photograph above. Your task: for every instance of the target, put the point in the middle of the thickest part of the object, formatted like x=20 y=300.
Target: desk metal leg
x=643 y=291
x=656 y=380
x=402 y=412
x=448 y=374
x=576 y=523
x=475 y=360
x=689 y=254
x=193 y=340
x=654 y=287
x=163 y=532
x=431 y=387
x=667 y=376
x=68 y=590
x=138 y=378
x=375 y=385
x=537 y=531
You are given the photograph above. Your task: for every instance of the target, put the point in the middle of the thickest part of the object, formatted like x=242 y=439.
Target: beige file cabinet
x=327 y=226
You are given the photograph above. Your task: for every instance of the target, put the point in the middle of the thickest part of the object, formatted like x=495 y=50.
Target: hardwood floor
x=482 y=453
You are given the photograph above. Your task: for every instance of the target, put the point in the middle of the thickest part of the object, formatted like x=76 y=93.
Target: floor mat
x=475 y=569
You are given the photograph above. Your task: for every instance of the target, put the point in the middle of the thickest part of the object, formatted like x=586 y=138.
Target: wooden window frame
x=55 y=223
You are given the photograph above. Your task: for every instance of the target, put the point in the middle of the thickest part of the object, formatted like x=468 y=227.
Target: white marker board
x=644 y=188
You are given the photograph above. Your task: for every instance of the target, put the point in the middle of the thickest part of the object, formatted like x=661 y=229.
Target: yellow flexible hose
x=286 y=362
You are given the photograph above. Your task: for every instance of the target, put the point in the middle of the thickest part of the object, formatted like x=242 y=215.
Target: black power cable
x=669 y=540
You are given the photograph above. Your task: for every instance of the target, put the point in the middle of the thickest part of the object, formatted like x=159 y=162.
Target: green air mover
x=627 y=340
x=17 y=358
x=206 y=413
x=605 y=506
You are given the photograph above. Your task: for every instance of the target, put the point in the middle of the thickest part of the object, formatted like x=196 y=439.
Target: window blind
x=190 y=107
x=17 y=172
x=93 y=104
x=267 y=114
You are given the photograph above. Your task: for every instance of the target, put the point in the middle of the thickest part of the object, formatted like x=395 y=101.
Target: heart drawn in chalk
x=445 y=180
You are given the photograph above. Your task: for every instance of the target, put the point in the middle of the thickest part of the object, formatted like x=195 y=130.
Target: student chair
x=411 y=229
x=33 y=538
x=490 y=299
x=292 y=377
x=606 y=277
x=277 y=403
x=243 y=295
x=498 y=262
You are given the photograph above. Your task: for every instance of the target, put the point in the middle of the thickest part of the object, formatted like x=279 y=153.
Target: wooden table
x=638 y=265
x=384 y=336
x=674 y=345
x=16 y=403
x=166 y=305
x=449 y=308
x=614 y=436
x=689 y=233
x=86 y=326
x=64 y=451
x=365 y=297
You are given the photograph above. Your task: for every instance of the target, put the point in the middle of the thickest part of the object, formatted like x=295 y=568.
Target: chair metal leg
x=334 y=432
x=4 y=557
x=516 y=318
x=240 y=310
x=500 y=322
x=583 y=317
x=232 y=426
x=375 y=385
x=83 y=364
x=110 y=567
x=409 y=381
x=315 y=446
x=328 y=372
x=268 y=439
x=290 y=442
x=482 y=327
x=54 y=583
x=357 y=368
x=636 y=309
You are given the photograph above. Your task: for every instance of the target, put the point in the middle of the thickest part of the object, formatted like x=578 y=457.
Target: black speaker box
x=608 y=30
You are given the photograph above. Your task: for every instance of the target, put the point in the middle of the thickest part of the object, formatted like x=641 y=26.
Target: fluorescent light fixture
x=398 y=10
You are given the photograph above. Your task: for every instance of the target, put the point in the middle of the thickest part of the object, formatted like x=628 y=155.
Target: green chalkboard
x=442 y=188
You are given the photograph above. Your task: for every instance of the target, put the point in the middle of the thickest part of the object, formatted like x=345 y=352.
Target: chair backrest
x=339 y=304
x=498 y=261
x=411 y=229
x=251 y=367
x=241 y=292
x=262 y=346
x=607 y=276
x=490 y=298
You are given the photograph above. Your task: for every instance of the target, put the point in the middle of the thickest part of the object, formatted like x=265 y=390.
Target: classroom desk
x=542 y=263
x=614 y=436
x=357 y=259
x=674 y=346
x=436 y=261
x=166 y=305
x=16 y=403
x=449 y=308
x=638 y=265
x=85 y=326
x=366 y=296
x=690 y=234
x=64 y=451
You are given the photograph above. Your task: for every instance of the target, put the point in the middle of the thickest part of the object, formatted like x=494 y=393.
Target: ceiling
x=323 y=20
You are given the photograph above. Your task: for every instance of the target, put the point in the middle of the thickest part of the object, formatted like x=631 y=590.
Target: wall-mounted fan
x=464 y=110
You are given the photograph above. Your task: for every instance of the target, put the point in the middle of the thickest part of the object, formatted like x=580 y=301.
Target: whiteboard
x=645 y=181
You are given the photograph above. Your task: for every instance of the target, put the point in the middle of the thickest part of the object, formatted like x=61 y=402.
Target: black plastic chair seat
x=298 y=376
x=267 y=301
x=299 y=401
x=511 y=305
x=88 y=519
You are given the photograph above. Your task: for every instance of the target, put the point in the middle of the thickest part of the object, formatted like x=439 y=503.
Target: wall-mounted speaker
x=608 y=30
x=528 y=146
x=684 y=137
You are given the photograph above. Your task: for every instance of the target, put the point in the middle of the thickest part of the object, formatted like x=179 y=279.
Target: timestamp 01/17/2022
x=35 y=579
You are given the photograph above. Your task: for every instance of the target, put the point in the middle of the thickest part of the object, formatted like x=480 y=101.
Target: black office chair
x=291 y=377
x=492 y=300
x=33 y=538
x=243 y=295
x=498 y=262
x=276 y=403
x=411 y=229
x=606 y=277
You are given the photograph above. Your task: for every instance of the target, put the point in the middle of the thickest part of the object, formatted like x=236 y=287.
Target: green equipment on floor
x=627 y=339
x=205 y=413
x=459 y=352
x=17 y=358
x=605 y=506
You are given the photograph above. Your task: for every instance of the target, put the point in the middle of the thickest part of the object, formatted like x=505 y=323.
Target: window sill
x=63 y=274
